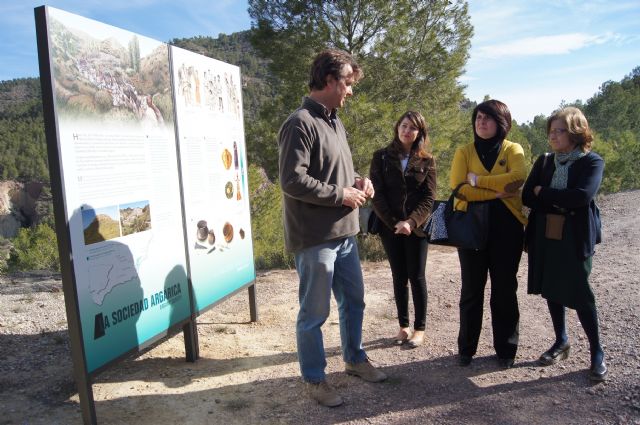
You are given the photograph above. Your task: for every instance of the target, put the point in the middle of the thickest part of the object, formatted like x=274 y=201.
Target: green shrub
x=620 y=154
x=5 y=247
x=103 y=100
x=34 y=249
x=370 y=248
x=165 y=104
x=266 y=222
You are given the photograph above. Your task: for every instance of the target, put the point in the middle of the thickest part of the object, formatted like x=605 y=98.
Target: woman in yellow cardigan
x=494 y=169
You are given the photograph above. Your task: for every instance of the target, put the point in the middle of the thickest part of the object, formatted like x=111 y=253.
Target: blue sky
x=162 y=20
x=530 y=54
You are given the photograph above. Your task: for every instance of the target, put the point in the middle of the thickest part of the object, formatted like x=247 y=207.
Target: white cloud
x=543 y=45
x=488 y=21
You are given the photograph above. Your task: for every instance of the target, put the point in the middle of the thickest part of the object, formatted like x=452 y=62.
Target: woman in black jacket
x=404 y=178
x=564 y=226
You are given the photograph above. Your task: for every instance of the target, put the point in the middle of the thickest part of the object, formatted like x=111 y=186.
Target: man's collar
x=319 y=108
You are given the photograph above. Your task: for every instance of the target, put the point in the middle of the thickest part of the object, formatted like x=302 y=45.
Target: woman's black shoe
x=598 y=373
x=554 y=354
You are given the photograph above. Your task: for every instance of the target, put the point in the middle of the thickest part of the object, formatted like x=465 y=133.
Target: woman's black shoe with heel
x=554 y=354
x=598 y=371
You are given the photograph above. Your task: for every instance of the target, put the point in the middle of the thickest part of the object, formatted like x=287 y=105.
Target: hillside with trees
x=23 y=147
x=614 y=115
x=412 y=53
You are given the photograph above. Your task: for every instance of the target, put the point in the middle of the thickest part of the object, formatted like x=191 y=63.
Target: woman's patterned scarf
x=563 y=161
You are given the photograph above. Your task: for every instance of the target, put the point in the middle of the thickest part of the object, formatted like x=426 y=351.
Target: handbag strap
x=454 y=192
x=545 y=156
x=546 y=173
x=449 y=207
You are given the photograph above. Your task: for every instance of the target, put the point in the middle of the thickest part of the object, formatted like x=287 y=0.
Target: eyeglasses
x=557 y=131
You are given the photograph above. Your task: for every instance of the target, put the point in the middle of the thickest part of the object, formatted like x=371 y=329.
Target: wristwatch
x=473 y=181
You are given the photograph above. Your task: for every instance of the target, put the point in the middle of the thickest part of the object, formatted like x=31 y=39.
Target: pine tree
x=412 y=53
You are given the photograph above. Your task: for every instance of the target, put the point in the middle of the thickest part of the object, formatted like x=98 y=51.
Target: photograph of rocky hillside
x=100 y=225
x=103 y=79
x=135 y=217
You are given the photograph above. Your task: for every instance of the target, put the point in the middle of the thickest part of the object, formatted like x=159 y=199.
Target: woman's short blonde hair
x=579 y=132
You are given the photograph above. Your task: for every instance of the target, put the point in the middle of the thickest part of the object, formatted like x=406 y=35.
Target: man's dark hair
x=331 y=62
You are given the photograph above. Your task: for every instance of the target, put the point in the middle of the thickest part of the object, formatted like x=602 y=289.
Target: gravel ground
x=248 y=372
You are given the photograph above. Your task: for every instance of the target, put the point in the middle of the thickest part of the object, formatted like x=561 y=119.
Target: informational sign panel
x=152 y=215
x=214 y=174
x=119 y=175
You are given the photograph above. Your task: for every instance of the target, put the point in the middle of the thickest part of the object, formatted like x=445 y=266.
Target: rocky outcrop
x=20 y=206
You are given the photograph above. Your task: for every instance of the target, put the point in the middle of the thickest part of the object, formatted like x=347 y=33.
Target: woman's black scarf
x=488 y=149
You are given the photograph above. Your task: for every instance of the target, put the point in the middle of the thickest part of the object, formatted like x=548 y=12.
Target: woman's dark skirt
x=555 y=271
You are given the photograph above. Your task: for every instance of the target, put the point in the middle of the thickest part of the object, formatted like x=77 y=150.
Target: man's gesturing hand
x=353 y=197
x=366 y=186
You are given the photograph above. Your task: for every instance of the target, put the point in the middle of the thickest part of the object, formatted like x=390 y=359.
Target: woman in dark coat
x=404 y=178
x=564 y=226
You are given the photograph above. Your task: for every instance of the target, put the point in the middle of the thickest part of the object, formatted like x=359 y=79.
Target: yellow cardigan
x=507 y=175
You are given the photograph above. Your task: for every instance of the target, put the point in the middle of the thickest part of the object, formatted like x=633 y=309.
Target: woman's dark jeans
x=408 y=259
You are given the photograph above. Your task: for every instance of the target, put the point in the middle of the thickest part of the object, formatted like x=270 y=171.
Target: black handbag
x=462 y=229
x=374 y=224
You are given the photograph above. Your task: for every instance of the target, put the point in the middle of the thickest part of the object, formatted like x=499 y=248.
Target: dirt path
x=248 y=373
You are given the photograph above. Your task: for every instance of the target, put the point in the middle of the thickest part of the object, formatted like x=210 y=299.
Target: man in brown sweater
x=322 y=194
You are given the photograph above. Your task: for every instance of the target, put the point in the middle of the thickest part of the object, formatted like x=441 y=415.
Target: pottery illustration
x=227 y=232
x=228 y=190
x=203 y=230
x=227 y=158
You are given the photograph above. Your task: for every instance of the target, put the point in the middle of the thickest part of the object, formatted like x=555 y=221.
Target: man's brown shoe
x=366 y=371
x=323 y=393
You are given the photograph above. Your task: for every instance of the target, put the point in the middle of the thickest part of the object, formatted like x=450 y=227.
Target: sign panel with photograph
x=118 y=164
